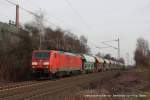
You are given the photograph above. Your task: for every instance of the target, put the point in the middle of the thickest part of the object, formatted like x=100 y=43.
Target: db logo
x=40 y=62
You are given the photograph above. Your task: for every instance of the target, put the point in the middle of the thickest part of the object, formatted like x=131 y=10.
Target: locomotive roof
x=63 y=52
x=41 y=51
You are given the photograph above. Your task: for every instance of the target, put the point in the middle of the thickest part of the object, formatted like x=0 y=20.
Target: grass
x=134 y=82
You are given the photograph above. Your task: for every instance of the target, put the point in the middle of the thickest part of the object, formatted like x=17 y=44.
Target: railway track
x=31 y=90
x=48 y=88
x=59 y=88
x=19 y=85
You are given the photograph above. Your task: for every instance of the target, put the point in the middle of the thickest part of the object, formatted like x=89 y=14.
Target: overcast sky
x=102 y=20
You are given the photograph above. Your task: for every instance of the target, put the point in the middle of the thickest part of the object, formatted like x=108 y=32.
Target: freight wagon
x=99 y=64
x=88 y=63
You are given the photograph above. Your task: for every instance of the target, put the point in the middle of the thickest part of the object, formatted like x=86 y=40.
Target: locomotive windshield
x=41 y=55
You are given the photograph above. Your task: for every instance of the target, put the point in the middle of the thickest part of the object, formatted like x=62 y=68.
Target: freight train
x=51 y=63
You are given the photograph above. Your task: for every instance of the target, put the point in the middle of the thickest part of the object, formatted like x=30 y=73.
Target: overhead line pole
x=118 y=46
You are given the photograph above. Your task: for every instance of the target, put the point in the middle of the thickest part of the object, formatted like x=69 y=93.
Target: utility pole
x=128 y=59
x=40 y=42
x=41 y=35
x=118 y=48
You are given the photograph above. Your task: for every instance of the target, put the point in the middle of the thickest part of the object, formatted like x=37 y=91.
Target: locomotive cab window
x=41 y=55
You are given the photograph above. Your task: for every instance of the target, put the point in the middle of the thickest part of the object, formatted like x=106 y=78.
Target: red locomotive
x=52 y=62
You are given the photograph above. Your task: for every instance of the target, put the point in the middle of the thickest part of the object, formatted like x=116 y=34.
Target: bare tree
x=121 y=60
x=83 y=39
x=142 y=52
x=98 y=54
x=107 y=56
x=38 y=25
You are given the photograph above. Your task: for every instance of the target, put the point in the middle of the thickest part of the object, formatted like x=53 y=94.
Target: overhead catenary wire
x=87 y=26
x=78 y=14
x=60 y=20
x=11 y=2
x=40 y=9
x=34 y=14
x=65 y=22
x=30 y=12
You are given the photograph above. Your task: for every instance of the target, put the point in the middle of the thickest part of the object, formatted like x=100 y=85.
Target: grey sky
x=107 y=19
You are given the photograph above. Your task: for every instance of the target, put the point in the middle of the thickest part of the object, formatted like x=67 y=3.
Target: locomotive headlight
x=45 y=63
x=34 y=63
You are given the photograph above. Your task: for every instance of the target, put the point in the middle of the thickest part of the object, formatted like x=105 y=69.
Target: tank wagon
x=59 y=63
x=88 y=63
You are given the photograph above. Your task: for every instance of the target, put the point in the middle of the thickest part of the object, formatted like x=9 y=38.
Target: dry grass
x=133 y=82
